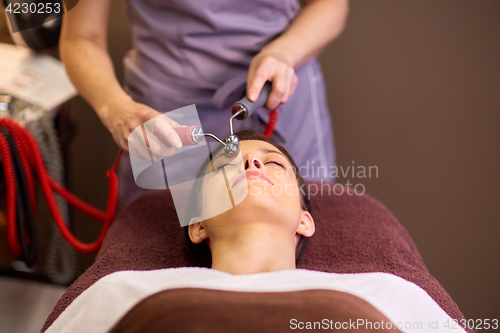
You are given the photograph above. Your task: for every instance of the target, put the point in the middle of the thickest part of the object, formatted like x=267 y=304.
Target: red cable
x=75 y=201
x=271 y=124
x=10 y=183
x=29 y=177
x=32 y=160
x=26 y=149
x=44 y=180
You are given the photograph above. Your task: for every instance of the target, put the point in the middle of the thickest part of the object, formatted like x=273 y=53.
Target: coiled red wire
x=32 y=161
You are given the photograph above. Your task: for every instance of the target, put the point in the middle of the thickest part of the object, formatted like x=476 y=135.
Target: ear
x=197 y=232
x=306 y=226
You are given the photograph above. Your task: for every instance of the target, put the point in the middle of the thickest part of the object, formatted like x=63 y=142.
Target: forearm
x=90 y=68
x=83 y=50
x=319 y=22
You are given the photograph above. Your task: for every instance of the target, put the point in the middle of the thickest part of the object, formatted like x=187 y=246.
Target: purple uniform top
x=199 y=51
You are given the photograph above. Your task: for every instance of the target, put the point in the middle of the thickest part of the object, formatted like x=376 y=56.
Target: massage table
x=356 y=238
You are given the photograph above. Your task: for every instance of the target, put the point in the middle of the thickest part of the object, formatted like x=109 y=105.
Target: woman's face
x=263 y=187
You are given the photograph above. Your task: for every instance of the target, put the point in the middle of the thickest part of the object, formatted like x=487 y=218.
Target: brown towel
x=354 y=234
x=214 y=311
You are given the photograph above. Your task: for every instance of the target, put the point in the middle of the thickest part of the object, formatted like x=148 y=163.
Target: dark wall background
x=413 y=88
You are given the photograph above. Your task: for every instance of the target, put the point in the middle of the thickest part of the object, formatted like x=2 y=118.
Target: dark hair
x=201 y=252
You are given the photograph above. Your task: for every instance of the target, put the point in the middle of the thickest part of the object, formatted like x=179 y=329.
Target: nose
x=253 y=162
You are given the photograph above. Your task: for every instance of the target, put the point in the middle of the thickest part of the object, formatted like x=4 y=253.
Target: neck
x=253 y=250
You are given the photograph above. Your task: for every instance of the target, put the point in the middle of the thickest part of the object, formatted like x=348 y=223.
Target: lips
x=252 y=174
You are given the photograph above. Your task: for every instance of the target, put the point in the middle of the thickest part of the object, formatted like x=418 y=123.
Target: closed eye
x=277 y=163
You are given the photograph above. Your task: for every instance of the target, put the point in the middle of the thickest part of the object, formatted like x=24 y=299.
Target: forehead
x=251 y=146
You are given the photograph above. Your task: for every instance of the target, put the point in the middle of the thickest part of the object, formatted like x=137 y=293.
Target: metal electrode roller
x=193 y=135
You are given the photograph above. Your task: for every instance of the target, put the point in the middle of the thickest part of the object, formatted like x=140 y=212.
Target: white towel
x=99 y=307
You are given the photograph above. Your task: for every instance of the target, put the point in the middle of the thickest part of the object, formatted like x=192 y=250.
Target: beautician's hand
x=83 y=49
x=271 y=65
x=126 y=116
x=318 y=23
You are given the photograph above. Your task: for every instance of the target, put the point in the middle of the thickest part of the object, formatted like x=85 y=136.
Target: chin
x=259 y=204
x=260 y=192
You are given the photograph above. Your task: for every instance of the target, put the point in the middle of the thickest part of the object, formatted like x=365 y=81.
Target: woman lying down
x=248 y=279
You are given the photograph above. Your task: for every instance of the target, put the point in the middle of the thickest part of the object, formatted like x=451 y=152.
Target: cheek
x=215 y=197
x=291 y=196
x=286 y=187
x=285 y=196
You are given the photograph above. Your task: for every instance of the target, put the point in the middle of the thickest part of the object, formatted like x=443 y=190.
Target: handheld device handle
x=190 y=135
x=186 y=135
x=249 y=107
